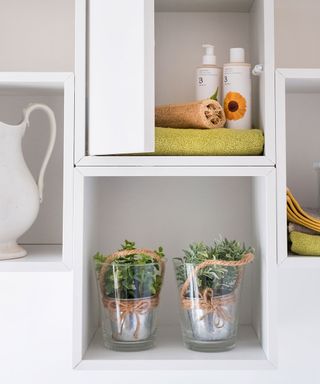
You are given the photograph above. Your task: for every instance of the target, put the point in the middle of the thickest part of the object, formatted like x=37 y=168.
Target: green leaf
x=220 y=278
x=215 y=95
x=133 y=276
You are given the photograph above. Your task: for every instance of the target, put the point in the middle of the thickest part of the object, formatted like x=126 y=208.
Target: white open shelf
x=298 y=137
x=170 y=351
x=49 y=245
x=175 y=161
x=172 y=207
x=40 y=258
x=180 y=29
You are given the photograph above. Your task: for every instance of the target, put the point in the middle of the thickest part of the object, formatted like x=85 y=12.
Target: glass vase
x=129 y=299
x=209 y=303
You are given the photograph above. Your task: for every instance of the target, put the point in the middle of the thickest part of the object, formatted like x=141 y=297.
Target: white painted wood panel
x=262 y=52
x=120 y=76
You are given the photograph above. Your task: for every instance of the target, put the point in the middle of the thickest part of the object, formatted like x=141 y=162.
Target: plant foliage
x=131 y=277
x=222 y=279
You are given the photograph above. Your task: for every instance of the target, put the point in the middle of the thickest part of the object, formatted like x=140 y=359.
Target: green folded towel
x=304 y=244
x=208 y=142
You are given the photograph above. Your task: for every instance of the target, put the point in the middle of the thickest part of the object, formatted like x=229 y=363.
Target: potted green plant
x=209 y=281
x=129 y=282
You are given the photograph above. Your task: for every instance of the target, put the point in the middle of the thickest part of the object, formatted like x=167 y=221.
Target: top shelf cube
x=151 y=62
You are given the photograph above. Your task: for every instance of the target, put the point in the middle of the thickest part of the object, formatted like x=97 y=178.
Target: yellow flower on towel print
x=235 y=106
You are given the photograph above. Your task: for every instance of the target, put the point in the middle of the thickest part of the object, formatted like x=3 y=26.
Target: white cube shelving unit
x=298 y=137
x=49 y=241
x=174 y=206
x=152 y=200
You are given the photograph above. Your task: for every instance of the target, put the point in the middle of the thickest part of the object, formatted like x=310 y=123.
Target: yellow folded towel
x=296 y=214
x=199 y=114
x=213 y=142
x=304 y=244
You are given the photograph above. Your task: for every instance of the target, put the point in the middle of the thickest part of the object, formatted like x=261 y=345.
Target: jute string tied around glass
x=206 y=301
x=136 y=307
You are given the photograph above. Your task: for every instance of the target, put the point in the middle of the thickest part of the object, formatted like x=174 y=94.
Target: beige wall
x=38 y=35
x=297 y=27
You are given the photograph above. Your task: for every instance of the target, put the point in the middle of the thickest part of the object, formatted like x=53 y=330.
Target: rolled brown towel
x=200 y=114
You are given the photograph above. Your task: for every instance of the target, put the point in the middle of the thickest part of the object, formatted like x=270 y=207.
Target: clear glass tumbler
x=129 y=297
x=209 y=304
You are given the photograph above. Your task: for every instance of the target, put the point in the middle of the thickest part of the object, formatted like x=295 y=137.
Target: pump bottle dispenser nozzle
x=208 y=58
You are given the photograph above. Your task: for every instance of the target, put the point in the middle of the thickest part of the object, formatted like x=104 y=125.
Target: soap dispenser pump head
x=208 y=57
x=237 y=55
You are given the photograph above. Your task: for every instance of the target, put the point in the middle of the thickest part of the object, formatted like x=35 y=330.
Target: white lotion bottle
x=237 y=102
x=209 y=77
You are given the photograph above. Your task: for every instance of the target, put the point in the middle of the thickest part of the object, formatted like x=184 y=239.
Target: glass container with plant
x=129 y=282
x=209 y=281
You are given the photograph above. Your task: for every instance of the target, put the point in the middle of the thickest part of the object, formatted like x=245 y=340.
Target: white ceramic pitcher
x=20 y=196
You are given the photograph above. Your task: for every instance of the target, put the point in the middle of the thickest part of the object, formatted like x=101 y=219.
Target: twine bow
x=216 y=305
x=125 y=308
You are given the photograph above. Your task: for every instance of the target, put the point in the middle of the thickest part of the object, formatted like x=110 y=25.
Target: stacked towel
x=304 y=244
x=303 y=227
x=211 y=142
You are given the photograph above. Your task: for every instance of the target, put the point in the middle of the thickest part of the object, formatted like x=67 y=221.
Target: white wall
x=36 y=309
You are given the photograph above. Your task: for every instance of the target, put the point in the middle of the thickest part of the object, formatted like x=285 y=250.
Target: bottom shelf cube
x=174 y=212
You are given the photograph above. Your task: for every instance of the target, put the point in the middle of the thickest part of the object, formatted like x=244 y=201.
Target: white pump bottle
x=237 y=90
x=209 y=76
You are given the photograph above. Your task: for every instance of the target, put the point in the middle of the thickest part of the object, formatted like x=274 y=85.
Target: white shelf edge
x=299 y=73
x=173 y=171
x=40 y=258
x=295 y=261
x=300 y=80
x=247 y=354
x=230 y=161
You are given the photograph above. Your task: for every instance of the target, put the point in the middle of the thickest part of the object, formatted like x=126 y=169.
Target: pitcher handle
x=53 y=133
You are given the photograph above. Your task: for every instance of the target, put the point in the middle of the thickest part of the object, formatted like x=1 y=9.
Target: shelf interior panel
x=47 y=228
x=171 y=352
x=303 y=85
x=203 y=5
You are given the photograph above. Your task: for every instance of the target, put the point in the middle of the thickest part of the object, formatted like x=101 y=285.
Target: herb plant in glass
x=209 y=281
x=129 y=282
